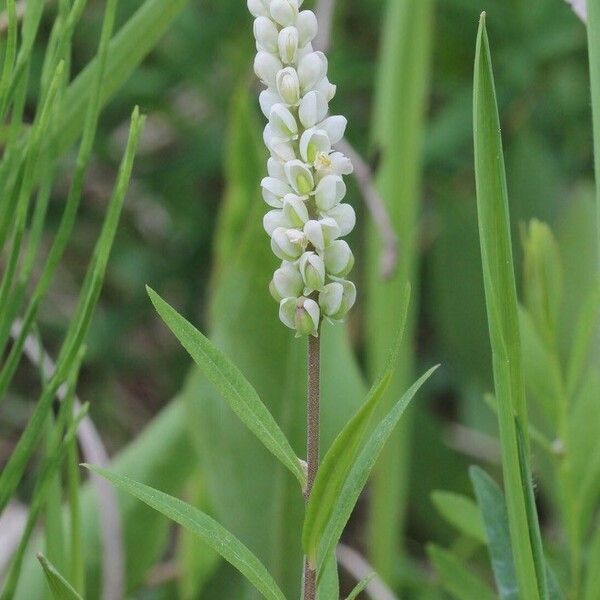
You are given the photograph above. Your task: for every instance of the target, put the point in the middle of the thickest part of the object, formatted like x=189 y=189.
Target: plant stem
x=312 y=444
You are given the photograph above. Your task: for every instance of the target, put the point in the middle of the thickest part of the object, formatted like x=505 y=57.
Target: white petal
x=314 y=234
x=339 y=259
x=326 y=88
x=330 y=298
x=266 y=67
x=274 y=219
x=284 y=12
x=287 y=312
x=344 y=216
x=295 y=210
x=275 y=168
x=282 y=122
x=267 y=99
x=273 y=191
x=340 y=164
x=286 y=244
x=335 y=127
x=259 y=8
x=287 y=281
x=288 y=45
x=307 y=27
x=311 y=70
x=313 y=108
x=266 y=34
x=330 y=191
x=312 y=269
x=312 y=142
x=288 y=85
x=299 y=177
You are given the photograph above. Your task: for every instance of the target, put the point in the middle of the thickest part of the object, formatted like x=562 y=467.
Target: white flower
x=305 y=185
x=302 y=314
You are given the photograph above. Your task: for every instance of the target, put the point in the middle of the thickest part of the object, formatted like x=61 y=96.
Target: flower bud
x=280 y=147
x=313 y=142
x=313 y=109
x=339 y=259
x=344 y=216
x=287 y=282
x=337 y=298
x=273 y=191
x=330 y=191
x=311 y=70
x=259 y=8
x=326 y=88
x=335 y=127
x=267 y=99
x=274 y=219
x=287 y=244
x=288 y=45
x=312 y=269
x=299 y=177
x=288 y=86
x=266 y=34
x=284 y=12
x=307 y=27
x=321 y=233
x=283 y=123
x=266 y=67
x=294 y=210
x=301 y=314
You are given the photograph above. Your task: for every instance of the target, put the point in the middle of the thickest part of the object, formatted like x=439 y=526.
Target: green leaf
x=60 y=588
x=501 y=301
x=493 y=510
x=206 y=528
x=360 y=587
x=359 y=473
x=456 y=579
x=232 y=385
x=592 y=578
x=329 y=584
x=461 y=512
x=342 y=454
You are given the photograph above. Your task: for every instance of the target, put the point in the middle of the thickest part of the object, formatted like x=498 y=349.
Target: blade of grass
x=232 y=385
x=398 y=132
x=461 y=512
x=13 y=471
x=345 y=448
x=361 y=586
x=206 y=528
x=593 y=31
x=61 y=589
x=361 y=469
x=501 y=300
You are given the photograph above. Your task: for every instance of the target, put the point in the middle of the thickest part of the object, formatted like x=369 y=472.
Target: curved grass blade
x=361 y=586
x=60 y=588
x=456 y=579
x=78 y=327
x=359 y=473
x=461 y=512
x=232 y=385
x=206 y=528
x=344 y=450
x=501 y=300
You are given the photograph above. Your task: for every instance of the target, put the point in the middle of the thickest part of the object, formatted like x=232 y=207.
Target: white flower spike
x=305 y=185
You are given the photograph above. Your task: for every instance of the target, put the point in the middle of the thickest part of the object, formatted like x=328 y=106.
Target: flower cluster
x=305 y=186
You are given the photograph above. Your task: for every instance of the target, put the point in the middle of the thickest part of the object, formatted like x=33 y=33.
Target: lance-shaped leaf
x=206 y=528
x=232 y=385
x=461 y=512
x=344 y=450
x=501 y=301
x=60 y=588
x=359 y=473
x=360 y=587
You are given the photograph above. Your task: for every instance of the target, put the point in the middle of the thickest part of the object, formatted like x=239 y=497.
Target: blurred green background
x=187 y=87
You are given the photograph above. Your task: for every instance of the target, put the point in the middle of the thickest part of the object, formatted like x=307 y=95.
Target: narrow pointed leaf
x=344 y=450
x=60 y=588
x=232 y=385
x=456 y=579
x=361 y=586
x=461 y=512
x=206 y=528
x=360 y=471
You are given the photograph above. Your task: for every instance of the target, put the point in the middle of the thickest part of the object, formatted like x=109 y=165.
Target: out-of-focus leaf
x=232 y=385
x=61 y=589
x=493 y=510
x=359 y=473
x=462 y=513
x=360 y=587
x=342 y=454
x=592 y=579
x=456 y=579
x=206 y=528
x=329 y=584
x=501 y=302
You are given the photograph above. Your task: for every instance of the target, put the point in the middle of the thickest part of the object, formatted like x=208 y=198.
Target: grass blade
x=232 y=385
x=360 y=587
x=342 y=454
x=60 y=588
x=501 y=300
x=206 y=528
x=456 y=579
x=361 y=469
x=462 y=513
